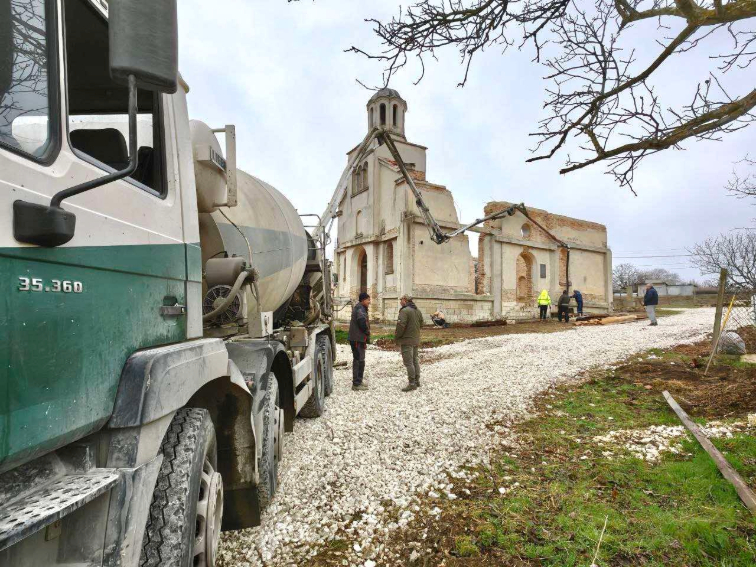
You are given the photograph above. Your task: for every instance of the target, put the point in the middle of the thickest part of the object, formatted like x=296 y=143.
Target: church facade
x=384 y=248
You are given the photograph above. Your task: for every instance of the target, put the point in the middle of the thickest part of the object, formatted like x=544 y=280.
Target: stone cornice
x=550 y=245
x=369 y=239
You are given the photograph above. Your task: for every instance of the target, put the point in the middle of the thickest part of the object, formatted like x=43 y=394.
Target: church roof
x=385 y=92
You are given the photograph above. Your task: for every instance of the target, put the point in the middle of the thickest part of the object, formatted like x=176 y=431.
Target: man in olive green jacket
x=407 y=336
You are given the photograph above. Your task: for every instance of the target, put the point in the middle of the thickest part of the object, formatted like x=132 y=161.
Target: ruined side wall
x=590 y=260
x=586 y=274
x=565 y=228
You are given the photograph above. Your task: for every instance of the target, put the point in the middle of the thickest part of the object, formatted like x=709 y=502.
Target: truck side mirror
x=6 y=48
x=144 y=43
x=143 y=53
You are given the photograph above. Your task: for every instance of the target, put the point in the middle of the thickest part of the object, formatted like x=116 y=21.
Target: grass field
x=677 y=512
x=545 y=500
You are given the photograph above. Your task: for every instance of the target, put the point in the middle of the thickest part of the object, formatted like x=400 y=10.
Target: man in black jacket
x=359 y=336
x=564 y=307
x=650 y=301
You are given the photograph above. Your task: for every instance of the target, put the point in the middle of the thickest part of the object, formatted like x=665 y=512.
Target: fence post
x=720 y=305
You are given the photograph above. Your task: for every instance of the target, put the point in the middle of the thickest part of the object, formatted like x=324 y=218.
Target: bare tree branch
x=599 y=97
x=735 y=252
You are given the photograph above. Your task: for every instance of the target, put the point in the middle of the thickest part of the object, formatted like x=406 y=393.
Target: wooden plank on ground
x=745 y=493
x=620 y=319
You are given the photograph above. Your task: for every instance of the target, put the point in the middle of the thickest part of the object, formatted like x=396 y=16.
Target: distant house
x=667 y=289
x=664 y=289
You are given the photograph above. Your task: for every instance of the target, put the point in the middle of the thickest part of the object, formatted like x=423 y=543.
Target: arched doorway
x=363 y=272
x=524 y=275
x=358 y=271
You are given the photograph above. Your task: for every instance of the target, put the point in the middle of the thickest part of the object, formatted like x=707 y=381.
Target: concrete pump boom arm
x=437 y=235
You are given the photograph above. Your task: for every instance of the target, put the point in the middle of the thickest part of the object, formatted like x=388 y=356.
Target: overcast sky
x=279 y=72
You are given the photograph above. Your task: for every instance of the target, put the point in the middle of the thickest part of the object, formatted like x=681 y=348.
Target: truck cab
x=111 y=372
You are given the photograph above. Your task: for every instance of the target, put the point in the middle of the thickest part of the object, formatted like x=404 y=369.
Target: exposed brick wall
x=524 y=275
x=536 y=234
x=549 y=221
x=415 y=174
x=481 y=286
x=563 y=267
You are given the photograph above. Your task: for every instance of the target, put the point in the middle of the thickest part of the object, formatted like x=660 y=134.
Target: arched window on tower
x=357 y=180
x=394 y=116
x=372 y=122
x=389 y=258
x=365 y=184
x=383 y=114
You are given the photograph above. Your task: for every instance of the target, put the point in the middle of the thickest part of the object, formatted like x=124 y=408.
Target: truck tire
x=327 y=365
x=185 y=517
x=316 y=404
x=272 y=444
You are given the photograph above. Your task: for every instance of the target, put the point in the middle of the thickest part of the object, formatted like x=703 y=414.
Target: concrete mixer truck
x=165 y=317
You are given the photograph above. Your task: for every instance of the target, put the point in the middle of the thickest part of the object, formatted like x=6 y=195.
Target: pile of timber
x=605 y=319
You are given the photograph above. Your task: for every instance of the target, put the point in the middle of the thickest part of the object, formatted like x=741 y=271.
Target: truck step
x=23 y=517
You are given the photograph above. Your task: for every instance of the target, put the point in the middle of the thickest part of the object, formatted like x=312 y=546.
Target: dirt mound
x=728 y=390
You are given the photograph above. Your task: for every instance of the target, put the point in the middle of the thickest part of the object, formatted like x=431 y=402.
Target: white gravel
x=649 y=443
x=356 y=472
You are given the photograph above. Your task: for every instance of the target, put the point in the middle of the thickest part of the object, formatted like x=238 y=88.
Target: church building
x=384 y=247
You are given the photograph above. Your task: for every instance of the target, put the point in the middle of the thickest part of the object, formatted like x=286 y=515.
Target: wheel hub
x=209 y=517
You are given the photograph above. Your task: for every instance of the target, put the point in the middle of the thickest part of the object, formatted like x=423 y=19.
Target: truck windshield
x=25 y=123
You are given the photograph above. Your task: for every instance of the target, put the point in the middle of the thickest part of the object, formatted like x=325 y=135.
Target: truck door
x=70 y=316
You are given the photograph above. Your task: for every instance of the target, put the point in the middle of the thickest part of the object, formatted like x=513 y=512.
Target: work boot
x=411 y=386
x=360 y=387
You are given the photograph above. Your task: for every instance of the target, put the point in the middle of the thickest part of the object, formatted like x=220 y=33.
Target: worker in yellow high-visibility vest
x=544 y=300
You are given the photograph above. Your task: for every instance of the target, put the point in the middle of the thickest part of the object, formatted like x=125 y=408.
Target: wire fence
x=738 y=328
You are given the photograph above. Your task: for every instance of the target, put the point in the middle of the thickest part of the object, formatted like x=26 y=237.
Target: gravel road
x=356 y=472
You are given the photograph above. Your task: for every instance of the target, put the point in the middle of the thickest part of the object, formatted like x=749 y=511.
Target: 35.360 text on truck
x=164 y=317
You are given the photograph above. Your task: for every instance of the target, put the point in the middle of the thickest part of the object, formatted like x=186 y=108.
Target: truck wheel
x=325 y=344
x=272 y=444
x=316 y=404
x=187 y=505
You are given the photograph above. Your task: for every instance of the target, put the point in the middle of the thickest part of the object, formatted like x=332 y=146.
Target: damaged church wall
x=518 y=238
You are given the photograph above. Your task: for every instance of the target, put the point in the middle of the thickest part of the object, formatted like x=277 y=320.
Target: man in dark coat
x=650 y=301
x=359 y=336
x=579 y=300
x=564 y=307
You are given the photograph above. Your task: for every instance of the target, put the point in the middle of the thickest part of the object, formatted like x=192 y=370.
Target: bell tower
x=386 y=108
